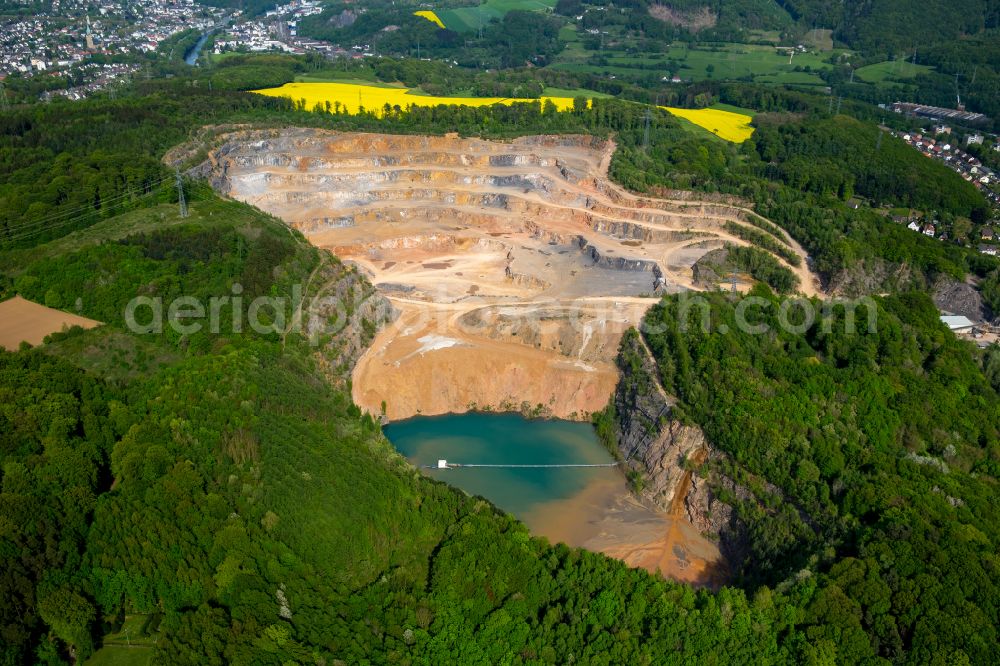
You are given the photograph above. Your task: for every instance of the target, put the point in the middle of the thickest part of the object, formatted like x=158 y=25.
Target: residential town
x=276 y=30
x=941 y=145
x=97 y=43
x=75 y=30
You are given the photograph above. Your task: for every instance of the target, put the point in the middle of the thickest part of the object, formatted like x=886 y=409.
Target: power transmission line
x=180 y=195
x=645 y=133
x=74 y=211
x=60 y=225
x=23 y=234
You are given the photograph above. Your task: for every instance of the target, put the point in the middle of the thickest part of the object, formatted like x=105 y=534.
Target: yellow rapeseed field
x=730 y=126
x=430 y=16
x=374 y=98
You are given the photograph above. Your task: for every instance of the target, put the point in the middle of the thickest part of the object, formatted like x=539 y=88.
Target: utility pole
x=645 y=132
x=180 y=194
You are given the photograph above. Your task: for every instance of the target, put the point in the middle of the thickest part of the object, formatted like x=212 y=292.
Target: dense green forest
x=896 y=26
x=883 y=444
x=227 y=453
x=841 y=156
x=231 y=492
x=219 y=484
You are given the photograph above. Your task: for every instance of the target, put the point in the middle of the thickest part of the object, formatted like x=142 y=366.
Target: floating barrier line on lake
x=457 y=465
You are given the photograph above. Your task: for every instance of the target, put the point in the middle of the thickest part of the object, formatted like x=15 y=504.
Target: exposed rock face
x=694 y=19
x=710 y=270
x=341 y=314
x=961 y=298
x=674 y=460
x=641 y=410
x=668 y=461
x=873 y=276
x=515 y=267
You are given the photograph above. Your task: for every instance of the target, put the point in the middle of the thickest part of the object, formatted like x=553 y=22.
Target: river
x=586 y=507
x=191 y=57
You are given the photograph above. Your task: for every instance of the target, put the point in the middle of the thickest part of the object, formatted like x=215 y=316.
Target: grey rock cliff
x=677 y=464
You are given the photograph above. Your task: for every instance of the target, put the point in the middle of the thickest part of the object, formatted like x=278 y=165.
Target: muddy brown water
x=590 y=507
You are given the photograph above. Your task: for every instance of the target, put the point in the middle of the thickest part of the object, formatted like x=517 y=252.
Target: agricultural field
x=131 y=645
x=349 y=97
x=819 y=38
x=24 y=321
x=728 y=123
x=723 y=61
x=471 y=19
x=121 y=655
x=724 y=123
x=891 y=70
x=430 y=16
x=575 y=92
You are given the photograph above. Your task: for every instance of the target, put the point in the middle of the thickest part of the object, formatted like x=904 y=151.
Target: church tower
x=90 y=37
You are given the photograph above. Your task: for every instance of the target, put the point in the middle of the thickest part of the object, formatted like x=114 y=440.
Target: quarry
x=513 y=267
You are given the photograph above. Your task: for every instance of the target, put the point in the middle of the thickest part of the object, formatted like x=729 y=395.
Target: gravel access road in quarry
x=515 y=266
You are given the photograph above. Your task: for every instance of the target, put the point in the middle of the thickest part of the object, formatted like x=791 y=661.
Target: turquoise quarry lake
x=586 y=507
x=506 y=439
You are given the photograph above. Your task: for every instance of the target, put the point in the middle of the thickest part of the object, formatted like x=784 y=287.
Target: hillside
x=257 y=475
x=219 y=494
x=888 y=25
x=845 y=454
x=283 y=519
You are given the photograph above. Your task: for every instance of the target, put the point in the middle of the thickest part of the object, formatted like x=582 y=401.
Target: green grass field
x=734 y=109
x=470 y=19
x=320 y=77
x=127 y=646
x=819 y=39
x=720 y=62
x=573 y=92
x=120 y=655
x=215 y=58
x=791 y=78
x=569 y=34
x=770 y=36
x=891 y=70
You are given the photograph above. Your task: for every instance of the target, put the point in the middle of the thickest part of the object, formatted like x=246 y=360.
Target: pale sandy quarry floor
x=515 y=267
